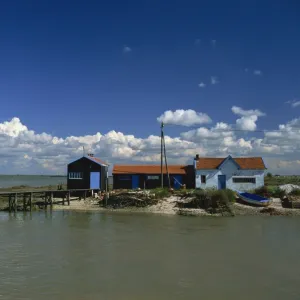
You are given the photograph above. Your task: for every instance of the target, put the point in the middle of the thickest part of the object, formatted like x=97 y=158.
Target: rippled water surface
x=68 y=255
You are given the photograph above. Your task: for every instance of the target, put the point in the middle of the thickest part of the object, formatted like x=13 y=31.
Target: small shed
x=149 y=176
x=87 y=172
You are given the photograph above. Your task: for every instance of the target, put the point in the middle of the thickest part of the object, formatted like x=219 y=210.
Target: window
x=244 y=179
x=203 y=179
x=153 y=177
x=75 y=175
x=124 y=177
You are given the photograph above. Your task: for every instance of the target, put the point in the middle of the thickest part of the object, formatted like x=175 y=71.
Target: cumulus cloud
x=214 y=80
x=239 y=111
x=25 y=151
x=248 y=118
x=184 y=117
x=22 y=150
x=202 y=85
x=126 y=49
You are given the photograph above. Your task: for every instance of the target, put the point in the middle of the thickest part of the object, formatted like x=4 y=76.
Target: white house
x=239 y=174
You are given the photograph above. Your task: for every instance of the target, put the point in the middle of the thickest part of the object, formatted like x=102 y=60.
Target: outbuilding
x=87 y=172
x=149 y=176
x=238 y=174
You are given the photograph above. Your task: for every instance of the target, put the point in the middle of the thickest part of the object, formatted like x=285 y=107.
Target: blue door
x=177 y=181
x=95 y=181
x=222 y=182
x=135 y=181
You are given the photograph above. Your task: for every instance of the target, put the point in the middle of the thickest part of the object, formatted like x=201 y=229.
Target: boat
x=254 y=199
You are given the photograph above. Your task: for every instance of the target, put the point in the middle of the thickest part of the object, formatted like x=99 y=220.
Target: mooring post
x=16 y=202
x=30 y=201
x=9 y=203
x=24 y=202
x=45 y=200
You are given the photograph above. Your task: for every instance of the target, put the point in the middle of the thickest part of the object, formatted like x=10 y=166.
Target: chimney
x=195 y=161
x=90 y=154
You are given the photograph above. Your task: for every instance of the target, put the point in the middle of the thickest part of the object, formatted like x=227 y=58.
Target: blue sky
x=75 y=68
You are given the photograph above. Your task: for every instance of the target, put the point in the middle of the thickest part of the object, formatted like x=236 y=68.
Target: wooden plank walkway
x=47 y=196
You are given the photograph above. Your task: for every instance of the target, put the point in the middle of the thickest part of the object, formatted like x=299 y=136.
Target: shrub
x=230 y=195
x=262 y=191
x=160 y=193
x=295 y=192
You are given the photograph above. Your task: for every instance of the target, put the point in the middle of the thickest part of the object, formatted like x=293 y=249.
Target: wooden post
x=16 y=202
x=63 y=198
x=9 y=203
x=51 y=199
x=24 y=202
x=68 y=197
x=84 y=197
x=30 y=201
x=45 y=200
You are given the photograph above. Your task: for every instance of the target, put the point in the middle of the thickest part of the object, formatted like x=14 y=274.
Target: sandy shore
x=167 y=207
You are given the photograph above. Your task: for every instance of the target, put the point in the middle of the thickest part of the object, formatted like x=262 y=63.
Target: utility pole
x=161 y=154
x=165 y=154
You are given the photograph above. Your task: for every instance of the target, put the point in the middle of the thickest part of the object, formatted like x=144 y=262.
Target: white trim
x=75 y=175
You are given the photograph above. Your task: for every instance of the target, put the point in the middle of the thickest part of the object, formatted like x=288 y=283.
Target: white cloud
x=248 y=118
x=246 y=70
x=202 y=85
x=257 y=72
x=214 y=80
x=294 y=103
x=12 y=128
x=22 y=150
x=241 y=112
x=213 y=43
x=126 y=49
x=184 y=117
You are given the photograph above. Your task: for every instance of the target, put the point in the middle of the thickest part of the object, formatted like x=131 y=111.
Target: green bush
x=295 y=192
x=230 y=195
x=269 y=191
x=160 y=193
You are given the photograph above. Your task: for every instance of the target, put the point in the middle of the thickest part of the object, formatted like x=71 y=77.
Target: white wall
x=229 y=168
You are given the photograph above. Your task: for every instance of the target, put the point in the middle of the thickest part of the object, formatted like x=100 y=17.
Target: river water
x=7 y=181
x=72 y=255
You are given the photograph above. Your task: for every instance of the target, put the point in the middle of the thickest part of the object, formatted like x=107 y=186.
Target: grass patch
x=212 y=200
x=280 y=180
x=160 y=193
x=269 y=191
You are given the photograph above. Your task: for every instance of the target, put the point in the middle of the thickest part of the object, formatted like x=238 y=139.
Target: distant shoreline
x=35 y=175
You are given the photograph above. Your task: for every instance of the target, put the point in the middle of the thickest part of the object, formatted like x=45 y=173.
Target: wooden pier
x=25 y=200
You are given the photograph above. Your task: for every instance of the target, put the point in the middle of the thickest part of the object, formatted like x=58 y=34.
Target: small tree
x=269 y=175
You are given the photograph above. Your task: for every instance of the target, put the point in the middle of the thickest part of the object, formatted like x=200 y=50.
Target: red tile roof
x=245 y=163
x=97 y=160
x=148 y=169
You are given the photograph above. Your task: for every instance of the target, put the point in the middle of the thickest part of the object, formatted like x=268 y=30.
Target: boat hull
x=257 y=202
